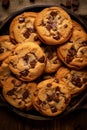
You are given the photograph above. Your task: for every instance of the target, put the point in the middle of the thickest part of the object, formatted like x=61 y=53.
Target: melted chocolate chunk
x=56 y=36
x=56 y=97
x=53 y=13
x=21 y=19
x=71 y=54
x=42 y=59
x=36 y=38
x=24 y=72
x=49 y=98
x=25 y=94
x=65 y=26
x=26 y=58
x=42 y=23
x=33 y=63
x=19 y=103
x=13 y=41
x=39 y=102
x=13 y=81
x=75 y=80
x=26 y=34
x=31 y=30
x=48 y=27
x=1 y=50
x=53 y=109
x=49 y=85
x=28 y=31
x=84 y=43
x=11 y=92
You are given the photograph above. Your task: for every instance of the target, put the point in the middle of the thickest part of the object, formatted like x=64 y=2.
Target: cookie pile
x=43 y=61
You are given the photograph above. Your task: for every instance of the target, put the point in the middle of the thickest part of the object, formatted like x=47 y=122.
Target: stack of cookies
x=43 y=61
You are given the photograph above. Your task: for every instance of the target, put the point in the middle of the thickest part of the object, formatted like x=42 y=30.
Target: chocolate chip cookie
x=22 y=28
x=27 y=61
x=75 y=79
x=18 y=93
x=6 y=47
x=51 y=97
x=53 y=25
x=74 y=52
x=52 y=60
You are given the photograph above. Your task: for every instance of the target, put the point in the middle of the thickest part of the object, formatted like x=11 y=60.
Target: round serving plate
x=75 y=103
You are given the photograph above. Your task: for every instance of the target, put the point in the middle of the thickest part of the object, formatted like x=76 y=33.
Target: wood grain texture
x=11 y=121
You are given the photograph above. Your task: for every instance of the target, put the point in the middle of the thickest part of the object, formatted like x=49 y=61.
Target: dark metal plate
x=76 y=103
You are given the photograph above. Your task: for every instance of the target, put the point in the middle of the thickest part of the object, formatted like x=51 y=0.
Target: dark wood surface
x=10 y=121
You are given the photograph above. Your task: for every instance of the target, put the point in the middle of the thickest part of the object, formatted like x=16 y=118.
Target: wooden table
x=8 y=120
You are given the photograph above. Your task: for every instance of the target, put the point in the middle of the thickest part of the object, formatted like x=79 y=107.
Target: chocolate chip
x=1 y=50
x=49 y=85
x=26 y=34
x=42 y=59
x=13 y=41
x=71 y=54
x=19 y=103
x=49 y=98
x=42 y=23
x=36 y=38
x=24 y=72
x=31 y=30
x=56 y=97
x=48 y=27
x=21 y=19
x=75 y=80
x=53 y=109
x=56 y=80
x=56 y=36
x=11 y=92
x=65 y=25
x=53 y=13
x=13 y=81
x=25 y=94
x=84 y=43
x=26 y=58
x=33 y=63
x=39 y=102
